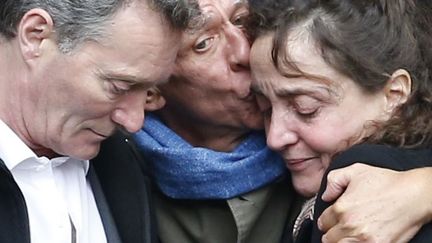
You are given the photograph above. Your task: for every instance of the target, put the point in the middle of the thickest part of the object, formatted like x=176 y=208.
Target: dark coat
x=120 y=188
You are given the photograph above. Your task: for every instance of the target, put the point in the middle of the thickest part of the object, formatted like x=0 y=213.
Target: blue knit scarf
x=185 y=172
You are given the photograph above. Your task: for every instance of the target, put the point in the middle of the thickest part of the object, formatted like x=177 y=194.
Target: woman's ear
x=36 y=26
x=398 y=89
x=154 y=100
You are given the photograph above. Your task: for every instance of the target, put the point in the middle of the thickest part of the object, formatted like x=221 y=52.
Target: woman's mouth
x=298 y=164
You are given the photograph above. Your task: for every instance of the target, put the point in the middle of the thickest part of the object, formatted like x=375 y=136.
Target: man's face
x=76 y=100
x=211 y=82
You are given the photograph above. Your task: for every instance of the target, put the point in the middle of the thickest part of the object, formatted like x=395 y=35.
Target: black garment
x=289 y=224
x=14 y=224
x=381 y=156
x=305 y=230
x=127 y=189
x=123 y=183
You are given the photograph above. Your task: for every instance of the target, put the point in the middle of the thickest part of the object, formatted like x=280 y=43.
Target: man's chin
x=88 y=152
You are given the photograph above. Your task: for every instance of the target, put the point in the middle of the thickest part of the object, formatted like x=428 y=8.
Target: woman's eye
x=306 y=107
x=308 y=112
x=203 y=45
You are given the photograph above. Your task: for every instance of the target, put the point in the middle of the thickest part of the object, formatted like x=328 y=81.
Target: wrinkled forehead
x=261 y=49
x=223 y=6
x=296 y=49
x=214 y=14
x=299 y=56
x=260 y=59
x=222 y=2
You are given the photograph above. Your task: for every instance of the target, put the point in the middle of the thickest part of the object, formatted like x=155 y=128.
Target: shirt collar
x=58 y=161
x=13 y=151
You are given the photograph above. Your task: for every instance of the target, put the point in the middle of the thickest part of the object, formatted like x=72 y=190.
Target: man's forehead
x=209 y=12
x=211 y=16
x=225 y=4
x=240 y=2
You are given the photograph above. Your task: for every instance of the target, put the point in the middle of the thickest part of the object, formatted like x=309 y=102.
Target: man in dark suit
x=73 y=73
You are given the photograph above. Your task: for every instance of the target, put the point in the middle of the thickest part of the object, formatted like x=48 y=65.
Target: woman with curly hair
x=340 y=82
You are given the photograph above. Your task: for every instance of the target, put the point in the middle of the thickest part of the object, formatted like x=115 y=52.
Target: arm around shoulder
x=376 y=204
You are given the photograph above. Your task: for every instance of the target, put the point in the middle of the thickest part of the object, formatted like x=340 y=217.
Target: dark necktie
x=73 y=231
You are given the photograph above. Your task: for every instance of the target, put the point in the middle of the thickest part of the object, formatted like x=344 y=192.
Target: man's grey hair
x=77 y=21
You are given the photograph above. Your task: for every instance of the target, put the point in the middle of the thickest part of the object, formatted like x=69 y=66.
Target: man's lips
x=100 y=134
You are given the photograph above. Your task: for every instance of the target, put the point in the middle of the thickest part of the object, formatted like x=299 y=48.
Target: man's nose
x=239 y=48
x=129 y=113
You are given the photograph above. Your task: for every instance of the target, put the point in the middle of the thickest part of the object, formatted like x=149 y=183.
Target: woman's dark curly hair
x=366 y=40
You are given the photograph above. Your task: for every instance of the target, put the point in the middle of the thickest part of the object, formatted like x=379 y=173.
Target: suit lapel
x=126 y=191
x=110 y=228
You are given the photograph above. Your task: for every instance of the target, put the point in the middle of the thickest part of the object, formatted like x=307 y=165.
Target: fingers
x=337 y=181
x=327 y=220
x=347 y=234
x=334 y=235
x=349 y=240
x=362 y=213
x=337 y=218
x=325 y=239
x=342 y=234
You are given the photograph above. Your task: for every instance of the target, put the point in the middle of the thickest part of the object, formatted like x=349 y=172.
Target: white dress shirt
x=56 y=192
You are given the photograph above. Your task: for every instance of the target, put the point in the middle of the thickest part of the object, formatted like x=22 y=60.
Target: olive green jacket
x=259 y=216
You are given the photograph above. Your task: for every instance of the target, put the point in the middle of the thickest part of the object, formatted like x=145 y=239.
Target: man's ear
x=398 y=89
x=36 y=26
x=154 y=100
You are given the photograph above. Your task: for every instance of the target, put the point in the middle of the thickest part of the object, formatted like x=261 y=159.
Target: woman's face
x=312 y=115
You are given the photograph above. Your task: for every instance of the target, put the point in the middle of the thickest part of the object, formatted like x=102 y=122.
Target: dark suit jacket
x=121 y=191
